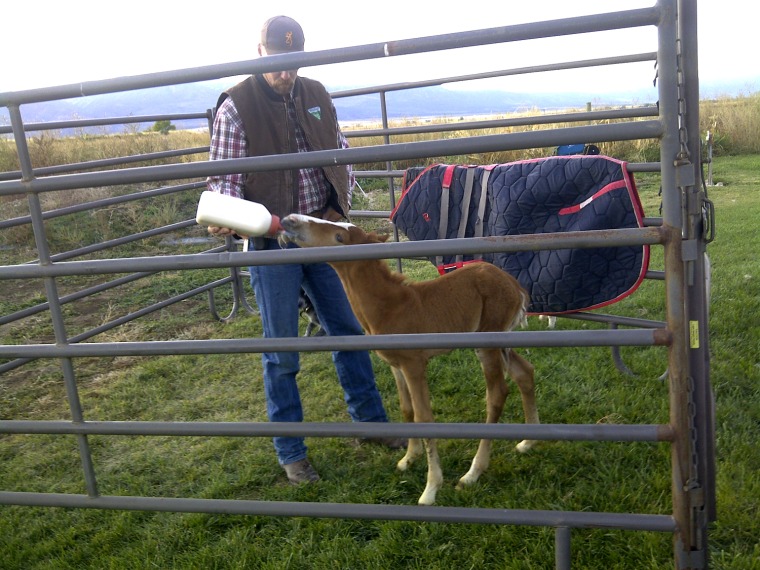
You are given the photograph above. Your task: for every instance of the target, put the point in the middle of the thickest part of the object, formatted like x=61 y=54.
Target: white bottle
x=247 y=218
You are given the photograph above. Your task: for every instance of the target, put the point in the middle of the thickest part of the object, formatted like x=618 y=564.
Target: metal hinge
x=708 y=220
x=696 y=493
x=691 y=559
x=689 y=249
x=685 y=176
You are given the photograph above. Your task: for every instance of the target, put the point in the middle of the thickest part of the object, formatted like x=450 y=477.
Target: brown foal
x=476 y=297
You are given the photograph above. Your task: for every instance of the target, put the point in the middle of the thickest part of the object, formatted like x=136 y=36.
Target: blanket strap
x=468 y=183
x=443 y=222
x=482 y=203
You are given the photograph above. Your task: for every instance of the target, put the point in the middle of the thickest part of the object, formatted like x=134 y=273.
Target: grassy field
x=574 y=385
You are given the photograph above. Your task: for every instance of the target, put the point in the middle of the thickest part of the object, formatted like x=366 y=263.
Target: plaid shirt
x=229 y=141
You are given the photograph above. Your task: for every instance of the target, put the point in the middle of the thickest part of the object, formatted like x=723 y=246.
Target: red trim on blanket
x=635 y=198
x=444 y=268
x=448 y=176
x=578 y=207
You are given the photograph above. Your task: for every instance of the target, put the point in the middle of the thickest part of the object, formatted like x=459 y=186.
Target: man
x=277 y=113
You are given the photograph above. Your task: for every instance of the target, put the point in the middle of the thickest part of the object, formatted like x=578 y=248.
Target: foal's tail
x=520 y=317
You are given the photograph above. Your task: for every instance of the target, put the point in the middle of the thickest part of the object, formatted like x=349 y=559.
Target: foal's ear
x=373 y=237
x=357 y=235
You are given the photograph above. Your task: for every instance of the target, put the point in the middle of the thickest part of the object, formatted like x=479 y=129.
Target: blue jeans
x=277 y=289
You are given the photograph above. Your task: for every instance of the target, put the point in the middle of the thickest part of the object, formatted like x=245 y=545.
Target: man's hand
x=223 y=232
x=331 y=215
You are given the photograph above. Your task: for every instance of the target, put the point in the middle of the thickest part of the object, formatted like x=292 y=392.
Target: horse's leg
x=416 y=381
x=522 y=372
x=492 y=363
x=414 y=447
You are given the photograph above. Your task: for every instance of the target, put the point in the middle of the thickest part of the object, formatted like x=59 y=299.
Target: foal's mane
x=363 y=237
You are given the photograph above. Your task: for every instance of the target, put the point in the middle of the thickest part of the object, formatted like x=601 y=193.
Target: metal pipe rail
x=83 y=123
x=29 y=311
x=110 y=325
x=578 y=239
x=109 y=244
x=424 y=149
x=76 y=166
x=528 y=120
x=103 y=203
x=442 y=430
x=521 y=339
x=580 y=64
x=557 y=519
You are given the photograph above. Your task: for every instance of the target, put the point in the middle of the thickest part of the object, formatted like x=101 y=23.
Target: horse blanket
x=553 y=194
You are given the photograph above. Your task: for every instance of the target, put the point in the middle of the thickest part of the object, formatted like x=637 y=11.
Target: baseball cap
x=281 y=34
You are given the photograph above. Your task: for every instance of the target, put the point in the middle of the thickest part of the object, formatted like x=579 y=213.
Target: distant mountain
x=442 y=102
x=413 y=103
x=190 y=98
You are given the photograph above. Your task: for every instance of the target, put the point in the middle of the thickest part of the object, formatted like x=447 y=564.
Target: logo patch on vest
x=316 y=112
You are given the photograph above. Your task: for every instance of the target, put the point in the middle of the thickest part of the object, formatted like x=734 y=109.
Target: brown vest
x=265 y=118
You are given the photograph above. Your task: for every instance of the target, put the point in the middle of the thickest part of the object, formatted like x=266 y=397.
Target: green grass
x=574 y=386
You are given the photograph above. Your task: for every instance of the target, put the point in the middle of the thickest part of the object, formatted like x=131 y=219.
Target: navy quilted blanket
x=554 y=194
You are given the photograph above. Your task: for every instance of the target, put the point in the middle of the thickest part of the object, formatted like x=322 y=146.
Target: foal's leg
x=522 y=372
x=416 y=382
x=414 y=447
x=496 y=393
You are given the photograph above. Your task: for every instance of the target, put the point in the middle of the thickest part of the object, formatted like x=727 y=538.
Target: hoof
x=525 y=445
x=467 y=480
x=427 y=499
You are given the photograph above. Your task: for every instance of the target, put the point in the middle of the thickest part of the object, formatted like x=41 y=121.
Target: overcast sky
x=56 y=42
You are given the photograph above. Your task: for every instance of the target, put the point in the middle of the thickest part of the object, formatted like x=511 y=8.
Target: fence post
x=562 y=548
